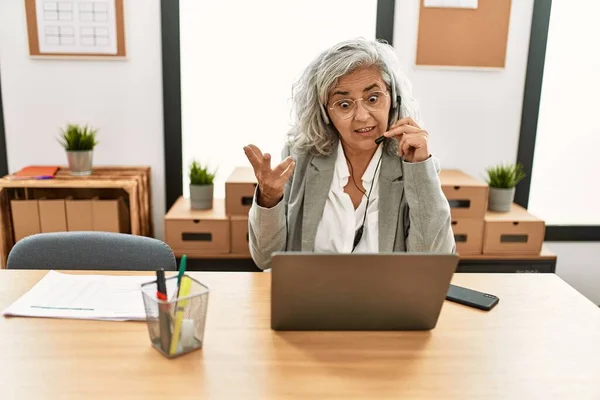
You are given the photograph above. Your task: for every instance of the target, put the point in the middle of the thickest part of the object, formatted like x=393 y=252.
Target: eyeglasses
x=373 y=101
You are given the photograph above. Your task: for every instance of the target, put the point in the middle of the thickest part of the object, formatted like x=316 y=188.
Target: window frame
x=3 y=154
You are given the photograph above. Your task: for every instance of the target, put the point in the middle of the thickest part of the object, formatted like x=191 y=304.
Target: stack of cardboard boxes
x=239 y=192
x=223 y=230
x=219 y=232
x=40 y=216
x=468 y=204
x=479 y=231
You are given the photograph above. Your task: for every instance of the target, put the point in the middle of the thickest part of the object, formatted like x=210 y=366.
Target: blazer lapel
x=318 y=182
x=390 y=195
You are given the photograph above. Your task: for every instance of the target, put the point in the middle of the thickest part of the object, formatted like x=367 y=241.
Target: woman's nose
x=361 y=113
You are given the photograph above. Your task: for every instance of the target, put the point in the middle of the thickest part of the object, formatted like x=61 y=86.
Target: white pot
x=201 y=197
x=501 y=199
x=80 y=162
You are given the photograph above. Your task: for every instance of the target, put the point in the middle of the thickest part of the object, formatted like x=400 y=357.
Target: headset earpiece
x=324 y=114
x=395 y=98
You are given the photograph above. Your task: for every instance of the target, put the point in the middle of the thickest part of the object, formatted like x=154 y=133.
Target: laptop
x=377 y=291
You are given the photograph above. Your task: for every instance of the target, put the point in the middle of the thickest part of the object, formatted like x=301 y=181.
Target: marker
x=163 y=311
x=161 y=286
x=182 y=266
x=184 y=292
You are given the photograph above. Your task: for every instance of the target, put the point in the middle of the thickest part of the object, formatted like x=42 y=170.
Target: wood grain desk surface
x=542 y=341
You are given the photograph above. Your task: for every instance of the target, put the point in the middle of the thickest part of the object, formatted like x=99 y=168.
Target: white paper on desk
x=99 y=297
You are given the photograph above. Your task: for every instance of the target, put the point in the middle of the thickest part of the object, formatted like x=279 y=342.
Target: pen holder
x=176 y=326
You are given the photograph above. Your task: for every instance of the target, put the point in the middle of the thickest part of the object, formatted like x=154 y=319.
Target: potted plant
x=201 y=186
x=79 y=143
x=502 y=180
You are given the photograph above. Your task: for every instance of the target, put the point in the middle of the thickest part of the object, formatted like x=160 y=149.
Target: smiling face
x=358 y=107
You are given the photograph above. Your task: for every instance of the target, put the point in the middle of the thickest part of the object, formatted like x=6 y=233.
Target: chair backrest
x=91 y=251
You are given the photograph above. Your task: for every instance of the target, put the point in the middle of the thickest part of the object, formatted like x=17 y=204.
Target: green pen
x=182 y=266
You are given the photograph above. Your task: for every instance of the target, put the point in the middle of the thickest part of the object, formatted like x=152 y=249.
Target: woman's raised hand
x=270 y=181
x=412 y=140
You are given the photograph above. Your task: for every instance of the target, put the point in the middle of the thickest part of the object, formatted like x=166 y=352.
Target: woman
x=337 y=189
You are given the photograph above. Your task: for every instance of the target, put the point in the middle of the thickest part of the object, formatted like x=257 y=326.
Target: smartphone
x=471 y=298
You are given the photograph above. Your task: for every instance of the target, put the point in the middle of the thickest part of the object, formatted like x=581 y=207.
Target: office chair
x=91 y=251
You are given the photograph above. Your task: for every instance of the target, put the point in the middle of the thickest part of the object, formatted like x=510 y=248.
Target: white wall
x=122 y=98
x=579 y=265
x=473 y=116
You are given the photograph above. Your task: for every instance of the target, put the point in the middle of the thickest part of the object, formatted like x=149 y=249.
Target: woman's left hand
x=412 y=140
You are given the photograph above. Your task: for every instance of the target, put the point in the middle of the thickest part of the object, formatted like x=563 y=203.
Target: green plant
x=505 y=176
x=200 y=175
x=78 y=138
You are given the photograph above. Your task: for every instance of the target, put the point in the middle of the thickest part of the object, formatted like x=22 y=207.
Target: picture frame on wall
x=76 y=28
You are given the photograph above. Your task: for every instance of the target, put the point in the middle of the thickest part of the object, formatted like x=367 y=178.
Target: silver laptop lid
x=383 y=291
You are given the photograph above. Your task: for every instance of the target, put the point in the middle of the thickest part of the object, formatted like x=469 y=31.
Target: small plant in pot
x=502 y=180
x=201 y=186
x=79 y=143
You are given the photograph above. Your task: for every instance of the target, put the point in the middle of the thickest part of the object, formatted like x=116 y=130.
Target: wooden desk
x=541 y=341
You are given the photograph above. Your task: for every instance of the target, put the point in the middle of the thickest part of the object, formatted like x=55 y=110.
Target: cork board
x=464 y=37
x=76 y=28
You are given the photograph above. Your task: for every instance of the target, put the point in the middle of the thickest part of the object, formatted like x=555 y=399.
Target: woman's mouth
x=364 y=131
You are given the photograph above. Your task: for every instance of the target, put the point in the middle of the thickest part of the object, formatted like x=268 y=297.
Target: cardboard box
x=26 y=218
x=467 y=196
x=468 y=235
x=239 y=191
x=239 y=236
x=197 y=233
x=53 y=216
x=110 y=216
x=79 y=215
x=515 y=232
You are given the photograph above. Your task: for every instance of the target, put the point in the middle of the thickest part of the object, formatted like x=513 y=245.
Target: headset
x=359 y=232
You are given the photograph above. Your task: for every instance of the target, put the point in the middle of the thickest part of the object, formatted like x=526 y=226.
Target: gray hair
x=312 y=131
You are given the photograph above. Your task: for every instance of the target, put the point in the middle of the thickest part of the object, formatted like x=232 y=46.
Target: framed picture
x=76 y=28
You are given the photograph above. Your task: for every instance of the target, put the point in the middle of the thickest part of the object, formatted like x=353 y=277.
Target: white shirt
x=340 y=221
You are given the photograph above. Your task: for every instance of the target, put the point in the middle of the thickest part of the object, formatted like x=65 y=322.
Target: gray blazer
x=414 y=214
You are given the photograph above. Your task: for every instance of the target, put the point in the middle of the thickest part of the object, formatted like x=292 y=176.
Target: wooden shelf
x=131 y=182
x=546 y=254
x=542 y=263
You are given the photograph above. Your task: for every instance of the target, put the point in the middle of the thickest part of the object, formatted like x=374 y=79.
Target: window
x=239 y=60
x=566 y=166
